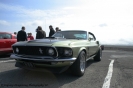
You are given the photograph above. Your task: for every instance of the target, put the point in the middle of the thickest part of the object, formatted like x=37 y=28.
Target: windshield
x=71 y=34
x=5 y=36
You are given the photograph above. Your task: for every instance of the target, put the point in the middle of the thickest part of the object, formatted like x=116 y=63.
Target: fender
x=81 y=49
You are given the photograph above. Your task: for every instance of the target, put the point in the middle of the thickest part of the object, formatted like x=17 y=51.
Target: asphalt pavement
x=115 y=70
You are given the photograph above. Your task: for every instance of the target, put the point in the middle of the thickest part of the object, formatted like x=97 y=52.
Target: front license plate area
x=28 y=64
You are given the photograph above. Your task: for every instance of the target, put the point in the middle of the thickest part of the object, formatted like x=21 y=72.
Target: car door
x=3 y=42
x=13 y=40
x=9 y=42
x=2 y=45
x=93 y=46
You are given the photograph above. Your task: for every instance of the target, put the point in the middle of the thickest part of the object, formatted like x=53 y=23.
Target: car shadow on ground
x=89 y=62
x=37 y=77
x=5 y=56
x=22 y=78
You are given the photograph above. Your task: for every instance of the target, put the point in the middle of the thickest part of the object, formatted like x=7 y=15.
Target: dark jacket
x=40 y=34
x=21 y=36
x=52 y=31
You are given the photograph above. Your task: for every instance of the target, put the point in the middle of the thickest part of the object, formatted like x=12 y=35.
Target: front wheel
x=79 y=66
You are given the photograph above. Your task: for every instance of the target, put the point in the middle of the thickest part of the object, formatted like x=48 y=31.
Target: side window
x=1 y=36
x=5 y=36
x=8 y=36
x=91 y=37
x=58 y=35
x=80 y=36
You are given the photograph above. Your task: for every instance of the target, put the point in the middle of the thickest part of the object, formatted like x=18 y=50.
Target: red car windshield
x=5 y=36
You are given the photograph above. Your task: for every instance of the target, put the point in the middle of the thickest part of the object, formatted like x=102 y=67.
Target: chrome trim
x=90 y=57
x=42 y=58
x=31 y=56
x=56 y=51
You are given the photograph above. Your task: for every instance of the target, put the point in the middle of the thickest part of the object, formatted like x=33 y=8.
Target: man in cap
x=52 y=31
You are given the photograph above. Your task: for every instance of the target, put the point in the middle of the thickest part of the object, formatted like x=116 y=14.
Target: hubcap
x=82 y=63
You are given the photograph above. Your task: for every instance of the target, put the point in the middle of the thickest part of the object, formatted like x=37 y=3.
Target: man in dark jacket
x=21 y=36
x=40 y=33
x=52 y=31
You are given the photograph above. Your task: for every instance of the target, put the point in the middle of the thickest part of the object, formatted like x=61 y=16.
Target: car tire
x=79 y=66
x=98 y=55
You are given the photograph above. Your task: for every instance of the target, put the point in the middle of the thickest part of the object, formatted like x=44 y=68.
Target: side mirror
x=90 y=39
x=97 y=42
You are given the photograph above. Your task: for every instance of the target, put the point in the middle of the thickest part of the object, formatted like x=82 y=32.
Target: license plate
x=28 y=64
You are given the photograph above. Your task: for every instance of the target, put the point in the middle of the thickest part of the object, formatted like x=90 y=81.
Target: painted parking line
x=6 y=61
x=107 y=80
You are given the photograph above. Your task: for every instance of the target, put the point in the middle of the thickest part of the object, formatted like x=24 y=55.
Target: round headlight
x=50 y=51
x=67 y=52
x=17 y=50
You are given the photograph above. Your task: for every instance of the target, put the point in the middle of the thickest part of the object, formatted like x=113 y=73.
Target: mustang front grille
x=33 y=50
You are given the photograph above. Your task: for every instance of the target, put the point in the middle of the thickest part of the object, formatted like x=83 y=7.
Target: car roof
x=73 y=30
x=6 y=32
x=78 y=30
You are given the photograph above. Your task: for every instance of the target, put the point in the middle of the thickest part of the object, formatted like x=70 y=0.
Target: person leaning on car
x=30 y=36
x=40 y=33
x=57 y=29
x=52 y=31
x=21 y=35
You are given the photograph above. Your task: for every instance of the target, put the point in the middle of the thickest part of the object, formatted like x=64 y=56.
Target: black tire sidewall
x=76 y=70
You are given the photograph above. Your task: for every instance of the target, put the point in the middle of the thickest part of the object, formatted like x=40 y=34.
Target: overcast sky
x=110 y=20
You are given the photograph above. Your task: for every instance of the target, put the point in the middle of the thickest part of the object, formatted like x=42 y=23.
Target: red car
x=6 y=41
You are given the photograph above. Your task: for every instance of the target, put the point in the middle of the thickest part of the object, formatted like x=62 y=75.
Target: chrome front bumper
x=40 y=58
x=53 y=64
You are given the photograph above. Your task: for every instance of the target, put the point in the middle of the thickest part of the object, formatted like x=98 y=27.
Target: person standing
x=30 y=36
x=40 y=33
x=21 y=35
x=52 y=31
x=15 y=33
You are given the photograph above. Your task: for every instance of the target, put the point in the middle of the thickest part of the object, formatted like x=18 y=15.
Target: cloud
x=84 y=15
x=21 y=11
x=5 y=23
x=125 y=41
x=62 y=23
x=132 y=25
x=103 y=25
x=6 y=7
x=33 y=23
x=107 y=19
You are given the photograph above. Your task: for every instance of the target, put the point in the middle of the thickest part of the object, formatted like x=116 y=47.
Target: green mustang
x=69 y=49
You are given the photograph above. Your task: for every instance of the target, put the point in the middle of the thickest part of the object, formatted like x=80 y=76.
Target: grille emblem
x=41 y=51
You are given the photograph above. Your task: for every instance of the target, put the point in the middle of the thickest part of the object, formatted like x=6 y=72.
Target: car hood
x=48 y=42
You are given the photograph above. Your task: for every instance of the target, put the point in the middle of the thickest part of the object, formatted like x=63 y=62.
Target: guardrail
x=113 y=47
